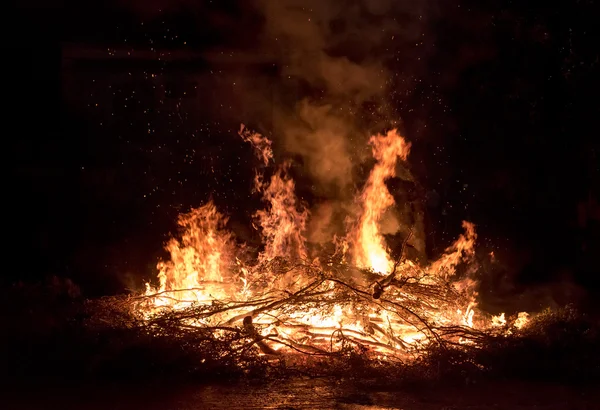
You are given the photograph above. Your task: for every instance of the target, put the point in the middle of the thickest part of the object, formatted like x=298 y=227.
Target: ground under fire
x=310 y=394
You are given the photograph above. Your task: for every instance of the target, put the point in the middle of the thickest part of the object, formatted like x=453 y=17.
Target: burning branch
x=283 y=305
x=380 y=286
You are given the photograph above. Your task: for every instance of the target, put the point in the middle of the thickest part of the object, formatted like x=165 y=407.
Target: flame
x=367 y=241
x=522 y=320
x=499 y=321
x=283 y=222
x=462 y=250
x=198 y=264
x=206 y=267
x=261 y=144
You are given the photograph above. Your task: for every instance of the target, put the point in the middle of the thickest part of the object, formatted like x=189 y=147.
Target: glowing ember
x=284 y=303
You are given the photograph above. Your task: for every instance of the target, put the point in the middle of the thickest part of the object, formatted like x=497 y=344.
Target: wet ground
x=307 y=394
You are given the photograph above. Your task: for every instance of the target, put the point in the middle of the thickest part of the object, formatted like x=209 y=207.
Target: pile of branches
x=252 y=337
x=268 y=333
x=273 y=323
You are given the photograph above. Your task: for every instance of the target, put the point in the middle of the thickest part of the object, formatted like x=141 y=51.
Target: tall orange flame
x=283 y=222
x=366 y=240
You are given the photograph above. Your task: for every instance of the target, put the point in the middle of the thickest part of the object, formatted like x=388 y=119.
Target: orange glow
x=522 y=320
x=460 y=251
x=366 y=240
x=282 y=223
x=261 y=144
x=198 y=266
x=206 y=267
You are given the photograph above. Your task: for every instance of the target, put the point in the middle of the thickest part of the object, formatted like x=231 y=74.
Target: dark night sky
x=502 y=113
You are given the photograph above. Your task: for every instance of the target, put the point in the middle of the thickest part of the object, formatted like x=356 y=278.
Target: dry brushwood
x=377 y=314
x=380 y=286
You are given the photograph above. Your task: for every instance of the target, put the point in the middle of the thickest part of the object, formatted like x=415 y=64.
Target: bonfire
x=290 y=300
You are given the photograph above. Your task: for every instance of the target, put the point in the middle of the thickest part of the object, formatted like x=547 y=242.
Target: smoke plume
x=334 y=58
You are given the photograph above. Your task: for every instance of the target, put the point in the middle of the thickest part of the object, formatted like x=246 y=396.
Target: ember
x=289 y=300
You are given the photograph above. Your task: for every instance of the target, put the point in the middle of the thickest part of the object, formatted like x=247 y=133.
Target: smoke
x=323 y=139
x=305 y=36
x=334 y=59
x=338 y=63
x=319 y=127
